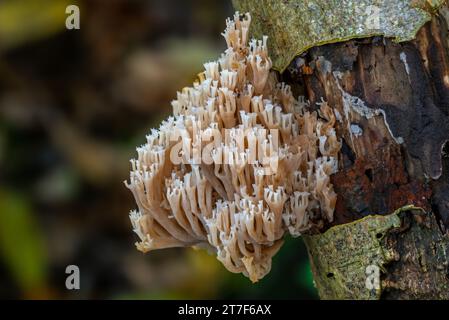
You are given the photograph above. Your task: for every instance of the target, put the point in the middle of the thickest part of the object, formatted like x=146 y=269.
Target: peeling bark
x=396 y=96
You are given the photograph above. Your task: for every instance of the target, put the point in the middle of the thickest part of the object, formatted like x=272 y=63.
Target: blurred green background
x=74 y=104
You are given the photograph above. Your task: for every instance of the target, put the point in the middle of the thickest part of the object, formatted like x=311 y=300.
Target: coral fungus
x=240 y=163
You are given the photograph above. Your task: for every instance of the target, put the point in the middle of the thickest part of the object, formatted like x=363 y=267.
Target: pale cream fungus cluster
x=240 y=163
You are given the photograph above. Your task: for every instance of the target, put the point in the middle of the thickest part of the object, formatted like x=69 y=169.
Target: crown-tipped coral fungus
x=240 y=163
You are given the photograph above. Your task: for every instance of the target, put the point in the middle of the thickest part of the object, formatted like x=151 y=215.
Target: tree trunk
x=389 y=238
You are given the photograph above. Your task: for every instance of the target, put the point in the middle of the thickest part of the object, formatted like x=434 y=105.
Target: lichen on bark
x=295 y=26
x=407 y=247
x=340 y=256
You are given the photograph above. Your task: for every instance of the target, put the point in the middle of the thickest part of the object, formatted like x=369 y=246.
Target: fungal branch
x=240 y=163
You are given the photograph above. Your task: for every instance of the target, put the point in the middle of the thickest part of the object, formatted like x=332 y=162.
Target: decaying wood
x=393 y=102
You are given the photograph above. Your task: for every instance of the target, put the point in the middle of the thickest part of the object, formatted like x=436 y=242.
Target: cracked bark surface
x=392 y=101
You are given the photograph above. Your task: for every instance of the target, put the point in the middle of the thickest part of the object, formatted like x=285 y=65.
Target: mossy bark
x=391 y=94
x=398 y=256
x=295 y=26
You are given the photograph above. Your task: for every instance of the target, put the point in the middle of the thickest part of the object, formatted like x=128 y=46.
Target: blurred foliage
x=73 y=107
x=23 y=21
x=22 y=244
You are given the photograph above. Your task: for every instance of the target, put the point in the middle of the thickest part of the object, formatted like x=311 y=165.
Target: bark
x=393 y=181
